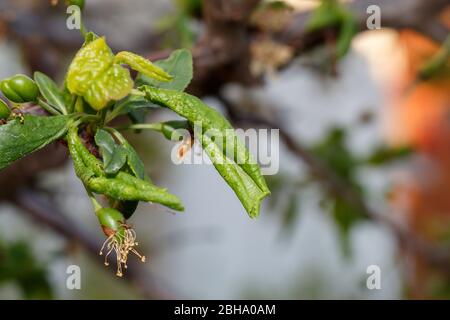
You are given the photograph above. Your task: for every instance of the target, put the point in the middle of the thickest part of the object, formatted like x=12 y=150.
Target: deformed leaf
x=94 y=76
x=114 y=84
x=179 y=65
x=242 y=184
x=238 y=167
x=142 y=65
x=19 y=139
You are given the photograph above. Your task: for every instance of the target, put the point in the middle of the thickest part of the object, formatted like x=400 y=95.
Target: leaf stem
x=147 y=126
x=94 y=201
x=119 y=108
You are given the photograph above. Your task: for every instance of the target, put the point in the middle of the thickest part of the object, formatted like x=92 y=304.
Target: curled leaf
x=239 y=169
x=142 y=65
x=179 y=65
x=94 y=76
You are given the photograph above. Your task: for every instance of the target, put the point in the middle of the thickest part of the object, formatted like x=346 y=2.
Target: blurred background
x=364 y=155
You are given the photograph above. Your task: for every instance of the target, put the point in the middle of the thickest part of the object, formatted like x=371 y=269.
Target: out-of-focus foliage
x=333 y=151
x=178 y=25
x=18 y=265
x=384 y=154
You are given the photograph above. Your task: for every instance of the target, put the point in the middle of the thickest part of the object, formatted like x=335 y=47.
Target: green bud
x=19 y=89
x=121 y=238
x=111 y=220
x=4 y=110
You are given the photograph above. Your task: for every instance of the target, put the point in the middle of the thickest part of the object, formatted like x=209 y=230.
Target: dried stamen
x=122 y=245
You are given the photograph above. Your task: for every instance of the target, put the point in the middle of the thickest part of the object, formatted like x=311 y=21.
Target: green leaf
x=129 y=104
x=114 y=155
x=18 y=140
x=137 y=116
x=94 y=76
x=50 y=92
x=179 y=65
x=240 y=171
x=133 y=160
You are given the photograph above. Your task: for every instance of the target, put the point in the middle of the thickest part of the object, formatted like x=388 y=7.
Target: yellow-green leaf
x=143 y=66
x=94 y=75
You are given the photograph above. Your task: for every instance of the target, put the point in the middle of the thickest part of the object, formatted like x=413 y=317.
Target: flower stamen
x=122 y=245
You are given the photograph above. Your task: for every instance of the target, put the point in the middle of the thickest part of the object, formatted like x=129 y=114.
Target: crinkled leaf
x=240 y=171
x=114 y=84
x=142 y=65
x=94 y=76
x=126 y=187
x=179 y=65
x=18 y=140
x=50 y=92
x=245 y=188
x=114 y=155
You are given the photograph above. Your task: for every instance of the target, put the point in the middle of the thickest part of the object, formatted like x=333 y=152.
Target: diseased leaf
x=94 y=76
x=142 y=65
x=114 y=155
x=179 y=65
x=18 y=140
x=245 y=188
x=50 y=92
x=238 y=167
x=113 y=84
